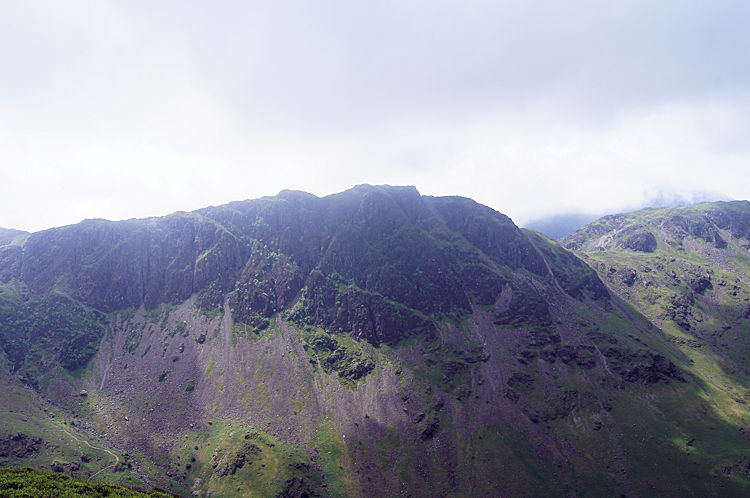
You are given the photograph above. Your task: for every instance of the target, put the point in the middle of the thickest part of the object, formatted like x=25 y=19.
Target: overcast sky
x=120 y=109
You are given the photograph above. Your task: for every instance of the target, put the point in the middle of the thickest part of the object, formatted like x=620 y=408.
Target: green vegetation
x=499 y=460
x=232 y=459
x=133 y=338
x=340 y=353
x=700 y=456
x=332 y=451
x=39 y=332
x=210 y=313
x=25 y=481
x=210 y=368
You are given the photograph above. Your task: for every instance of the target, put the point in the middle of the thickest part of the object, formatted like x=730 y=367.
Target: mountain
x=371 y=342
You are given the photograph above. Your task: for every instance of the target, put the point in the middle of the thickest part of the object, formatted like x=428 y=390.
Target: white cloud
x=123 y=109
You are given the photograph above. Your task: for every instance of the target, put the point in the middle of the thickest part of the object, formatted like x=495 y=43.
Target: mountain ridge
x=372 y=341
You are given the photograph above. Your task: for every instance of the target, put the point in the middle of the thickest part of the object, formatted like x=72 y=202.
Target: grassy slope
x=706 y=325
x=231 y=458
x=23 y=411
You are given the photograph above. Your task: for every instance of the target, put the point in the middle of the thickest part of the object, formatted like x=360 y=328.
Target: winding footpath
x=117 y=459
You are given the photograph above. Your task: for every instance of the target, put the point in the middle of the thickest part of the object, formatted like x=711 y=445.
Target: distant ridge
x=560 y=225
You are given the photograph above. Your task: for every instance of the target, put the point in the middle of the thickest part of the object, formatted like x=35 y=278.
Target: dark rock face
x=431 y=429
x=375 y=262
x=365 y=315
x=65 y=467
x=655 y=368
x=20 y=445
x=118 y=265
x=732 y=216
x=376 y=237
x=627 y=276
x=583 y=356
x=700 y=283
x=698 y=227
x=643 y=241
x=679 y=310
x=493 y=233
x=244 y=455
x=642 y=366
x=526 y=307
x=378 y=263
x=298 y=486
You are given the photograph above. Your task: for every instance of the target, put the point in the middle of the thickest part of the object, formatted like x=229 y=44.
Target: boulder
x=642 y=241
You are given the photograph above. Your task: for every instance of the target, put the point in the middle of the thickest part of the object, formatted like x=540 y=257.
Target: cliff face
x=388 y=256
x=374 y=341
x=379 y=238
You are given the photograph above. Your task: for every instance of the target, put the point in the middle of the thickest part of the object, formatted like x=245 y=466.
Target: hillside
x=371 y=342
x=688 y=270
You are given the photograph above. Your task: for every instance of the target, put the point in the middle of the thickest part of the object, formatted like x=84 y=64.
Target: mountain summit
x=371 y=342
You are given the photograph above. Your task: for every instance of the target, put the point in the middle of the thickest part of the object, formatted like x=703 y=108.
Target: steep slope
x=371 y=342
x=688 y=270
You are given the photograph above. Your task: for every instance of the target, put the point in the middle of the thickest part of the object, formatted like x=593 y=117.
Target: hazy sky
x=119 y=109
